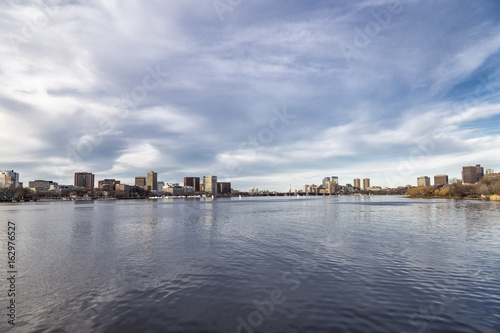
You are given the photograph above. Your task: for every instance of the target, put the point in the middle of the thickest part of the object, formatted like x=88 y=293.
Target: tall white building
x=423 y=181
x=210 y=184
x=489 y=171
x=9 y=178
x=326 y=179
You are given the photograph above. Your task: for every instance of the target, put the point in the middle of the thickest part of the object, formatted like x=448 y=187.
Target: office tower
x=330 y=187
x=84 y=179
x=489 y=171
x=224 y=187
x=472 y=174
x=152 y=181
x=9 y=178
x=305 y=188
x=423 y=181
x=440 y=180
x=160 y=185
x=335 y=179
x=366 y=183
x=210 y=184
x=140 y=181
x=326 y=179
x=357 y=182
x=193 y=182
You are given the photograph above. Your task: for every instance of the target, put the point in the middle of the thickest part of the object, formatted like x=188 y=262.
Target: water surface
x=338 y=264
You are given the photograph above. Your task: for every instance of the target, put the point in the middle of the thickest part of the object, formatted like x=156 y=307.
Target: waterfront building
x=41 y=185
x=335 y=179
x=122 y=190
x=305 y=188
x=9 y=179
x=210 y=184
x=174 y=190
x=84 y=179
x=193 y=182
x=152 y=181
x=140 y=181
x=366 y=183
x=331 y=187
x=357 y=182
x=224 y=187
x=440 y=180
x=424 y=181
x=160 y=185
x=326 y=179
x=472 y=174
x=107 y=184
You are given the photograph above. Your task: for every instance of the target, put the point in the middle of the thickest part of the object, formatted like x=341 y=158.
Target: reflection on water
x=358 y=264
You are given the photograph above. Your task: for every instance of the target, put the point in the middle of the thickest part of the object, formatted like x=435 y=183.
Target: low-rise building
x=41 y=185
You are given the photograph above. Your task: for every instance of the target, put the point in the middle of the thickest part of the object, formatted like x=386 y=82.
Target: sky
x=266 y=94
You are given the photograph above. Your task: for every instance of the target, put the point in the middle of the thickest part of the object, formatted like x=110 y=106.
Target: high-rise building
x=305 y=188
x=140 y=181
x=210 y=184
x=424 y=181
x=224 y=187
x=326 y=179
x=335 y=179
x=330 y=187
x=357 y=182
x=9 y=178
x=489 y=171
x=193 y=182
x=472 y=174
x=366 y=183
x=440 y=180
x=152 y=181
x=84 y=179
x=160 y=185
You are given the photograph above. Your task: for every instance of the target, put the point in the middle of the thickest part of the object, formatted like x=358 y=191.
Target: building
x=326 y=179
x=193 y=182
x=174 y=190
x=107 y=184
x=357 y=182
x=41 y=185
x=160 y=185
x=210 y=184
x=331 y=187
x=335 y=179
x=84 y=179
x=140 y=181
x=440 y=180
x=152 y=181
x=9 y=179
x=366 y=183
x=305 y=188
x=224 y=187
x=472 y=174
x=490 y=171
x=122 y=190
x=424 y=181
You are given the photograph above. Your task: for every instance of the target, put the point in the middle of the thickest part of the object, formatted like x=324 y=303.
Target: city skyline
x=258 y=93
